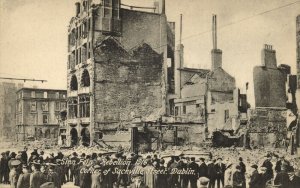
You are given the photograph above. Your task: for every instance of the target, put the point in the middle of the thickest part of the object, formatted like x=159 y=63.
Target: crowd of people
x=130 y=170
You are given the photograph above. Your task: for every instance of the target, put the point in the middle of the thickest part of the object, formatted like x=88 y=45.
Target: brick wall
x=127 y=85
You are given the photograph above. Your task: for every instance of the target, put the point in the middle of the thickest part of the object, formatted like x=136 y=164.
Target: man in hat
x=12 y=158
x=24 y=156
x=149 y=179
x=263 y=177
x=282 y=178
x=53 y=176
x=138 y=182
x=6 y=167
x=74 y=163
x=220 y=169
x=269 y=166
x=294 y=178
x=183 y=178
x=36 y=177
x=193 y=177
x=161 y=181
x=97 y=177
x=203 y=182
x=173 y=177
x=211 y=173
x=13 y=174
x=24 y=178
x=254 y=177
x=202 y=168
x=238 y=178
x=2 y=167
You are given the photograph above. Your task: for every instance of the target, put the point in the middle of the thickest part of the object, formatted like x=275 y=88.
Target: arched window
x=74 y=84
x=85 y=78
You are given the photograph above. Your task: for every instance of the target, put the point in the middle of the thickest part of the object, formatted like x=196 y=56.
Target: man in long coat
x=254 y=178
x=193 y=177
x=53 y=177
x=24 y=178
x=220 y=169
x=36 y=178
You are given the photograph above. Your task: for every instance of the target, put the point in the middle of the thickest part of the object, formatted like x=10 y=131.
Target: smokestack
x=216 y=54
x=179 y=63
x=268 y=56
x=77 y=4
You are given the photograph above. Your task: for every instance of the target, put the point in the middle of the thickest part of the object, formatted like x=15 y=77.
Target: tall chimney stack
x=179 y=62
x=216 y=54
x=77 y=4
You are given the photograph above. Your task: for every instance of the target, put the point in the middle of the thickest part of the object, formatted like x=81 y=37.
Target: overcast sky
x=33 y=35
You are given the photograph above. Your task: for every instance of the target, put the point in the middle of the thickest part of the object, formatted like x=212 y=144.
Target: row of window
x=85 y=81
x=58 y=106
x=79 y=110
x=79 y=55
x=200 y=111
x=80 y=32
x=33 y=94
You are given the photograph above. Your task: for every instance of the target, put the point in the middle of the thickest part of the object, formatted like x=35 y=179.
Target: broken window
x=45 y=118
x=83 y=53
x=57 y=106
x=32 y=94
x=89 y=50
x=57 y=95
x=45 y=106
x=226 y=115
x=74 y=83
x=45 y=94
x=72 y=105
x=184 y=110
x=62 y=105
x=84 y=106
x=176 y=110
x=85 y=78
x=20 y=107
x=33 y=106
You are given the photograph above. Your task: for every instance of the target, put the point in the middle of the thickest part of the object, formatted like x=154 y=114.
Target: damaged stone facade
x=38 y=113
x=275 y=112
x=207 y=96
x=117 y=68
x=8 y=109
x=267 y=126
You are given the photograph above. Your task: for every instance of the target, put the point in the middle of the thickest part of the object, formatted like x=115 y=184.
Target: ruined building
x=7 y=109
x=274 y=89
x=206 y=96
x=117 y=68
x=38 y=113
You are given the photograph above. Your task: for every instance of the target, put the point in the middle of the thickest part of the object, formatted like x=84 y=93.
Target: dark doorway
x=85 y=136
x=74 y=137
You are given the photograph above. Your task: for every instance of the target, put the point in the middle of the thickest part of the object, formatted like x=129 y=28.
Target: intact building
x=117 y=68
x=7 y=109
x=38 y=113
